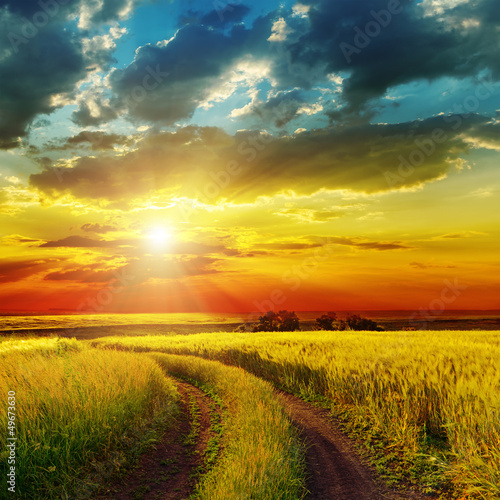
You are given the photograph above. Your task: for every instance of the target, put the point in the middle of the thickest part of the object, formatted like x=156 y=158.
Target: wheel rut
x=169 y=471
x=335 y=470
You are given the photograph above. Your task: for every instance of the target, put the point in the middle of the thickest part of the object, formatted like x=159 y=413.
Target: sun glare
x=159 y=236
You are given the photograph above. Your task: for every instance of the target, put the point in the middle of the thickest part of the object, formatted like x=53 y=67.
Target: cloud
x=76 y=241
x=158 y=268
x=33 y=72
x=369 y=245
x=18 y=240
x=43 y=57
x=166 y=82
x=485 y=135
x=309 y=215
x=104 y=11
x=98 y=140
x=85 y=275
x=207 y=164
x=141 y=245
x=93 y=111
x=317 y=242
x=234 y=13
x=12 y=270
x=98 y=228
x=400 y=47
x=420 y=265
x=280 y=109
x=289 y=246
x=461 y=234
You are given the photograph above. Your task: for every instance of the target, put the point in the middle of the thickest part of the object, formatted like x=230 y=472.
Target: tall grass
x=262 y=458
x=74 y=406
x=411 y=388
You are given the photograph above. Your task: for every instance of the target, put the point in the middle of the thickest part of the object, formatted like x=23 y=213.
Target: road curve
x=335 y=469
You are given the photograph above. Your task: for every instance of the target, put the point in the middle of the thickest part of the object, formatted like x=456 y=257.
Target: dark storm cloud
x=29 y=8
x=401 y=46
x=41 y=57
x=232 y=14
x=84 y=117
x=29 y=78
x=209 y=164
x=281 y=108
x=166 y=83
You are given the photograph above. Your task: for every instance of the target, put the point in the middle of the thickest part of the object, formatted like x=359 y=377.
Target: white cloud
x=301 y=10
x=438 y=7
x=280 y=31
x=310 y=109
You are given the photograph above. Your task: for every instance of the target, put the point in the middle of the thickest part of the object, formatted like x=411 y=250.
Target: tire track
x=335 y=469
x=168 y=471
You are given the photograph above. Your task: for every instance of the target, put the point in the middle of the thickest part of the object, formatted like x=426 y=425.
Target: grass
x=427 y=401
x=80 y=413
x=262 y=457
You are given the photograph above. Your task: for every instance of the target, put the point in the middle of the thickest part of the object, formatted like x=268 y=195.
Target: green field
x=424 y=406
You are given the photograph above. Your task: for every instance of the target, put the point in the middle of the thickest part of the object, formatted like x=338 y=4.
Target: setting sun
x=160 y=236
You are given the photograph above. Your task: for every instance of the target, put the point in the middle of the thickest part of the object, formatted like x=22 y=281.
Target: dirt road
x=335 y=469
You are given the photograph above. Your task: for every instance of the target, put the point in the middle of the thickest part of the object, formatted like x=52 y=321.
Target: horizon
x=158 y=157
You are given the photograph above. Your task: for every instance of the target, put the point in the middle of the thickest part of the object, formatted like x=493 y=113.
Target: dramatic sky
x=188 y=155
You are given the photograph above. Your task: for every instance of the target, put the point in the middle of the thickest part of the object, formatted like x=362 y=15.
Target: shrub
x=282 y=321
x=355 y=322
x=326 y=322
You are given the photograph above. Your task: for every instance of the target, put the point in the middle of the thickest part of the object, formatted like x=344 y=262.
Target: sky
x=187 y=155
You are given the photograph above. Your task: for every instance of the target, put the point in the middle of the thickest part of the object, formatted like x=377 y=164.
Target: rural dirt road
x=335 y=469
x=166 y=472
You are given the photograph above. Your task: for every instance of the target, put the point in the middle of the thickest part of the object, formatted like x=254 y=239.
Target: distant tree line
x=287 y=321
x=329 y=321
x=282 y=321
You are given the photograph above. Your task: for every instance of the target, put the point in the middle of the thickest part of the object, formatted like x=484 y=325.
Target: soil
x=336 y=471
x=168 y=472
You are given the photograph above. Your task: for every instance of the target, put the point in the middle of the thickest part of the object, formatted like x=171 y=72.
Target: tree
x=282 y=321
x=325 y=322
x=356 y=322
x=289 y=321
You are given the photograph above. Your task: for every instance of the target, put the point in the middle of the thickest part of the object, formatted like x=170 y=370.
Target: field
x=424 y=407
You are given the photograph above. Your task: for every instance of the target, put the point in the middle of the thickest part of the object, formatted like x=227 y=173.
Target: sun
x=159 y=236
